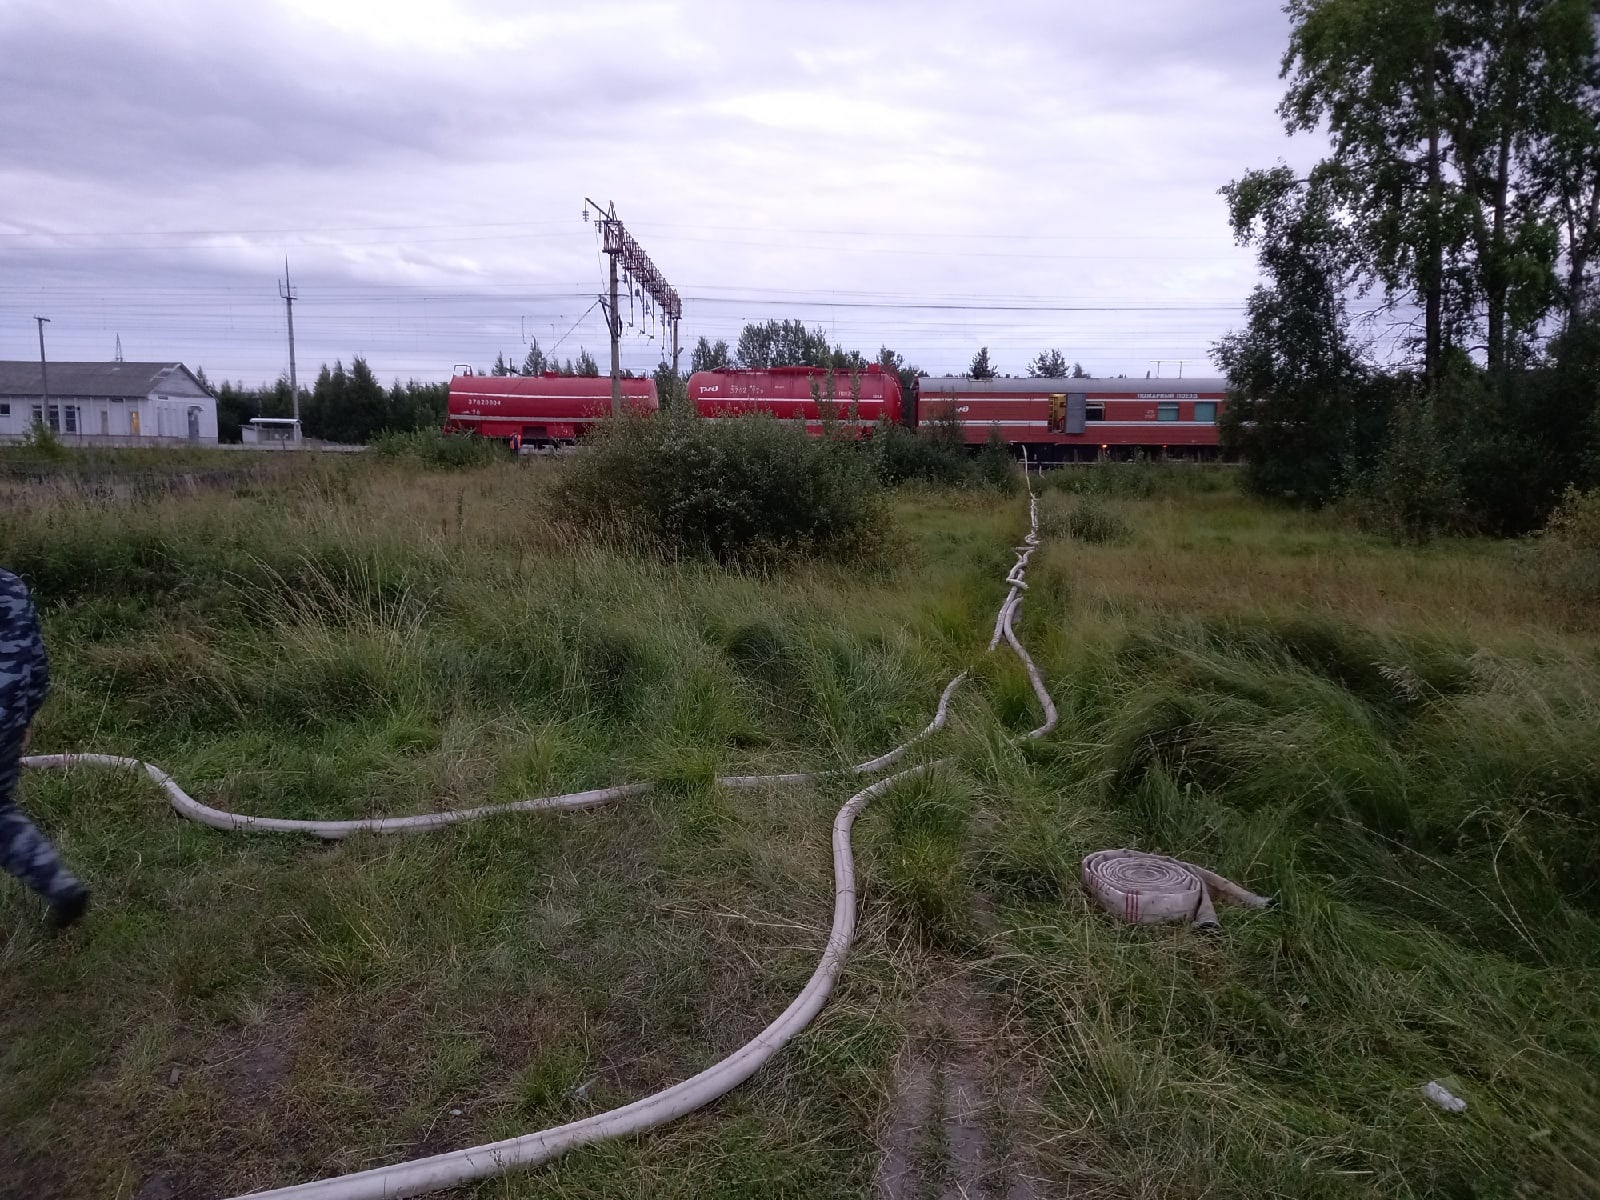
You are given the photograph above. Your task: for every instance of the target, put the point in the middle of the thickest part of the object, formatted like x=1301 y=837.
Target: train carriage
x=1079 y=419
x=541 y=410
x=799 y=393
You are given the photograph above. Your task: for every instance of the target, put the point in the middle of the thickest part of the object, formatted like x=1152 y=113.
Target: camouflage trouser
x=23 y=849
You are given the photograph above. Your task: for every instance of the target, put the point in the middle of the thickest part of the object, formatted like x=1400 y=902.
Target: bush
x=1136 y=480
x=1414 y=492
x=435 y=449
x=745 y=489
x=1568 y=550
x=1087 y=519
x=902 y=456
x=995 y=466
x=41 y=445
x=1090 y=522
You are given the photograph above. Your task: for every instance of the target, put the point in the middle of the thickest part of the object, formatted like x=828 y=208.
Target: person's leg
x=25 y=852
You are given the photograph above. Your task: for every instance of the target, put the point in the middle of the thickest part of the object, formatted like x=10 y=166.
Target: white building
x=107 y=403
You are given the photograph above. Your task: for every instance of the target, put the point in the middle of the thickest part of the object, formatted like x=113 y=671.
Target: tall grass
x=1398 y=744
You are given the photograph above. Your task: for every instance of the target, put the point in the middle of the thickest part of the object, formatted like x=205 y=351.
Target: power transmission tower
x=286 y=292
x=629 y=257
x=44 y=373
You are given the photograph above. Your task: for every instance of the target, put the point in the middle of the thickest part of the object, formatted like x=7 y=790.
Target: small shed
x=279 y=432
x=107 y=403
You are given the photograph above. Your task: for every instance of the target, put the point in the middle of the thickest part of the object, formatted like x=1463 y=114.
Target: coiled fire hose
x=1148 y=889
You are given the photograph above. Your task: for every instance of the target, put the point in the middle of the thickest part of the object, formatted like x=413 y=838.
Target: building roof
x=124 y=380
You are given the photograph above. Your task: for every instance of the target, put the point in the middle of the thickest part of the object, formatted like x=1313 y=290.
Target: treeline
x=535 y=362
x=767 y=344
x=1462 y=201
x=348 y=406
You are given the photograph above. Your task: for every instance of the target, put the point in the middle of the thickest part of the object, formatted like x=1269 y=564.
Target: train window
x=1167 y=411
x=1206 y=411
x=1094 y=412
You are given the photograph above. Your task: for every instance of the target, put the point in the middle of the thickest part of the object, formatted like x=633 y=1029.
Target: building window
x=5 y=410
x=1167 y=411
x=54 y=421
x=1094 y=412
x=1205 y=411
x=69 y=415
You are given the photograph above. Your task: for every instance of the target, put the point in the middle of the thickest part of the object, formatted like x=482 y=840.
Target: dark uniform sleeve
x=24 y=666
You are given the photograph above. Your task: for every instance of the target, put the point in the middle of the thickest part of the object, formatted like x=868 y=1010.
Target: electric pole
x=635 y=264
x=44 y=372
x=287 y=293
x=614 y=327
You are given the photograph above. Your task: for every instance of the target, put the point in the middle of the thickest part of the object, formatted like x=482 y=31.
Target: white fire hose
x=1148 y=889
x=457 y=1167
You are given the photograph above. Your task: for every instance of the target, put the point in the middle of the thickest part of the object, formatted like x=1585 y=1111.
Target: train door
x=1077 y=412
x=1058 y=414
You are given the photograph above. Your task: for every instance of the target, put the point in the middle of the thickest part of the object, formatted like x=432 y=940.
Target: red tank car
x=540 y=410
x=799 y=394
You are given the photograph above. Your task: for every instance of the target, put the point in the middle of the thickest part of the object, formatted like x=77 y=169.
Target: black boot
x=69 y=909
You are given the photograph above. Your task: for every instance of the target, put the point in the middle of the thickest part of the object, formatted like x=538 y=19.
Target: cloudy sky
x=924 y=175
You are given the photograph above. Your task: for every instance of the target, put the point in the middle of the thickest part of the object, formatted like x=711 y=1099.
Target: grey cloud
x=141 y=109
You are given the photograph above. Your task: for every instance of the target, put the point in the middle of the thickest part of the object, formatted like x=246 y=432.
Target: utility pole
x=44 y=372
x=614 y=327
x=635 y=264
x=287 y=293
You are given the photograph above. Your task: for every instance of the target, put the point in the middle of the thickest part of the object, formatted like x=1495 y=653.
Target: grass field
x=1400 y=744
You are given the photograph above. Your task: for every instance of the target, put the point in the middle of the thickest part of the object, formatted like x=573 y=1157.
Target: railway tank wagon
x=540 y=410
x=1075 y=420
x=798 y=394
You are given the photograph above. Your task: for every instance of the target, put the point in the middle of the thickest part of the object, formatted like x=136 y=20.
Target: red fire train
x=1069 y=420
x=1057 y=420
x=861 y=398
x=539 y=410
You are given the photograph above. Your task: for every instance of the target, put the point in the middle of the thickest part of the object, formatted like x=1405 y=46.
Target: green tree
x=534 y=362
x=908 y=375
x=709 y=356
x=1295 y=378
x=1048 y=364
x=235 y=408
x=1436 y=110
x=328 y=402
x=981 y=367
x=785 y=344
x=500 y=367
x=586 y=365
x=367 y=404
x=669 y=387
